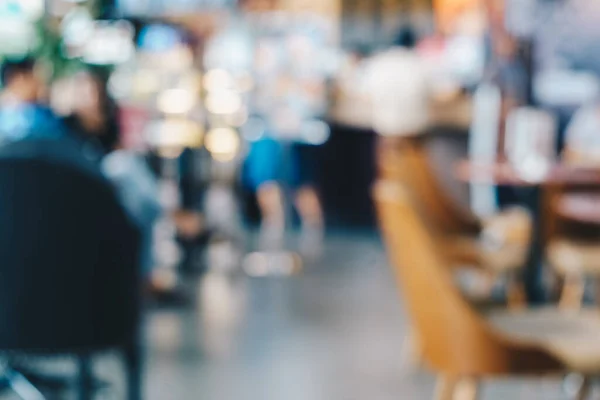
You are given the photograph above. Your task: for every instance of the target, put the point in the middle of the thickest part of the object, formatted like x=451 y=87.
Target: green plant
x=50 y=50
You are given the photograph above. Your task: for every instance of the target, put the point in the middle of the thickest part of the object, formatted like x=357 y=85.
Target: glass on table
x=530 y=142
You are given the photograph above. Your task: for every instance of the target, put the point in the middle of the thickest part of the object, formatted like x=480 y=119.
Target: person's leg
x=311 y=215
x=309 y=207
x=270 y=203
x=262 y=171
x=304 y=159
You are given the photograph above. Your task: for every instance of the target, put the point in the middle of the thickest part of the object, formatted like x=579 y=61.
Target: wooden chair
x=498 y=246
x=461 y=346
x=575 y=260
x=405 y=159
x=573 y=249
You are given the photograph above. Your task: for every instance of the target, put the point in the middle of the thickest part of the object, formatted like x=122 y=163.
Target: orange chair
x=498 y=246
x=460 y=345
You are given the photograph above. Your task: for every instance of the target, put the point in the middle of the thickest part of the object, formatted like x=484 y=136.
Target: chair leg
x=445 y=388
x=572 y=294
x=23 y=387
x=466 y=389
x=450 y=388
x=85 y=380
x=584 y=391
x=412 y=352
x=133 y=360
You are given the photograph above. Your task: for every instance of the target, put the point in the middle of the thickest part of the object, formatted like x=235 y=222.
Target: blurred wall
x=375 y=23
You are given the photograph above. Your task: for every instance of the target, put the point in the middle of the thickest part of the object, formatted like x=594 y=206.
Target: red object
x=133 y=123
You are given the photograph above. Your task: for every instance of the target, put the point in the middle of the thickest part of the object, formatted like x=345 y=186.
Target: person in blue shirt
x=22 y=115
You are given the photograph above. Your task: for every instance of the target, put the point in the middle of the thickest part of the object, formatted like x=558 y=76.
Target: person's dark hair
x=406 y=38
x=108 y=108
x=13 y=67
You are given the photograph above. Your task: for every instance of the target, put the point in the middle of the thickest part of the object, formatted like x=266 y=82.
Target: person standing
x=398 y=85
x=94 y=121
x=22 y=114
x=94 y=118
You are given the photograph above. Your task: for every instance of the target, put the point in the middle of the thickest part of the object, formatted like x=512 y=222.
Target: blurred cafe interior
x=300 y=199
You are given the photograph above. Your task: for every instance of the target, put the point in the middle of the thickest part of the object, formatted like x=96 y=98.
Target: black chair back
x=68 y=253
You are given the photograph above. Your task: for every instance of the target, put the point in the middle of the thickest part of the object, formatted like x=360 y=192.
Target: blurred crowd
x=92 y=127
x=263 y=95
x=278 y=89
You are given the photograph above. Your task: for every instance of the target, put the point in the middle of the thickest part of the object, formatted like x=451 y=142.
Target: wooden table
x=581 y=207
x=584 y=208
x=502 y=173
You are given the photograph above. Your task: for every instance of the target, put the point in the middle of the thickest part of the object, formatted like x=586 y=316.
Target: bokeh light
x=218 y=80
x=174 y=133
x=222 y=143
x=176 y=101
x=223 y=102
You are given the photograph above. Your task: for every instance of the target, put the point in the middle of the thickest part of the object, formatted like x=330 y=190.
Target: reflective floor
x=333 y=332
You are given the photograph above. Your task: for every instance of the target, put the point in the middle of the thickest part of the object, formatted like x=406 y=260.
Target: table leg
x=531 y=197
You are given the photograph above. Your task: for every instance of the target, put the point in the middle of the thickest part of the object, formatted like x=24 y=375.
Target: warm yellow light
x=223 y=102
x=448 y=12
x=146 y=82
x=176 y=101
x=191 y=81
x=176 y=133
x=222 y=143
x=171 y=153
x=218 y=80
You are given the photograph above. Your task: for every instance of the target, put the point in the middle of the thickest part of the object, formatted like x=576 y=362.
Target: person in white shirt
x=398 y=84
x=352 y=104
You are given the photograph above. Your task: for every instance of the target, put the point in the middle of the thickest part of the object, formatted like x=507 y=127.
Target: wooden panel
x=328 y=7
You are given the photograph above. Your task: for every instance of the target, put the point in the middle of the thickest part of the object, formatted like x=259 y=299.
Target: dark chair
x=69 y=264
